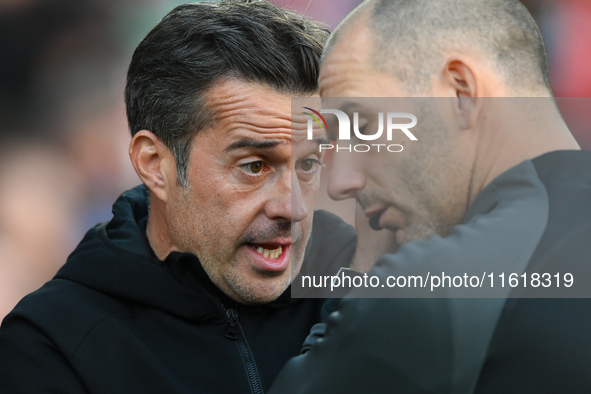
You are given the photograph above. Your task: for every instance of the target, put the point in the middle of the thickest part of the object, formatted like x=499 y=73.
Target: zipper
x=256 y=387
x=234 y=332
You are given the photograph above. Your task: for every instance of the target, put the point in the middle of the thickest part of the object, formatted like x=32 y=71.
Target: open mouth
x=269 y=253
x=374 y=221
x=270 y=257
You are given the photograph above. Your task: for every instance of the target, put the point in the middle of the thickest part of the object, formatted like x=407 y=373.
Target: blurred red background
x=63 y=132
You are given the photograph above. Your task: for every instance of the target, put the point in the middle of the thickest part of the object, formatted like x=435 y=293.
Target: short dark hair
x=196 y=45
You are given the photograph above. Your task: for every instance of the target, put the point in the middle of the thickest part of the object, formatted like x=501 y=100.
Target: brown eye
x=256 y=167
x=307 y=165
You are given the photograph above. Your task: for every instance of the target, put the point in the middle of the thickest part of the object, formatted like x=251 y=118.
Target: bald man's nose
x=344 y=181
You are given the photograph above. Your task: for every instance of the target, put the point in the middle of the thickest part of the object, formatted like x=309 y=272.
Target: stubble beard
x=435 y=185
x=218 y=260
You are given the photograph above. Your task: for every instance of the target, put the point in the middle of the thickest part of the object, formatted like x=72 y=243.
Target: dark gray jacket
x=534 y=218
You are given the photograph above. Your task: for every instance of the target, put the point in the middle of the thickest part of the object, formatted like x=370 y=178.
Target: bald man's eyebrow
x=350 y=106
x=252 y=143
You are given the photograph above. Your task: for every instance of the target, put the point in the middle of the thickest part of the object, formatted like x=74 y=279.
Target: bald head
x=412 y=38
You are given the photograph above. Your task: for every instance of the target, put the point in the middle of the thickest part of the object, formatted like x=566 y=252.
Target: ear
x=153 y=162
x=461 y=81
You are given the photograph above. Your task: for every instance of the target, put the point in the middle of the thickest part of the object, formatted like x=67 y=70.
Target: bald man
x=495 y=183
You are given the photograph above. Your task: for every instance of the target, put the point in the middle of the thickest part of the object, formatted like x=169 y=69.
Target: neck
x=157 y=230
x=513 y=130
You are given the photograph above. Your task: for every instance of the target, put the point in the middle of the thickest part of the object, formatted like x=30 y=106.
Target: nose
x=287 y=201
x=344 y=180
x=298 y=207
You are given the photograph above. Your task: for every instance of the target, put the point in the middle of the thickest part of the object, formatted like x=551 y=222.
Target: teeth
x=270 y=253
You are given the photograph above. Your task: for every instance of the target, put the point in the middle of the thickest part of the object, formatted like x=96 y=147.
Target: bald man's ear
x=462 y=82
x=153 y=162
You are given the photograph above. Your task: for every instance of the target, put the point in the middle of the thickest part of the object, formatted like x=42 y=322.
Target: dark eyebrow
x=321 y=140
x=252 y=143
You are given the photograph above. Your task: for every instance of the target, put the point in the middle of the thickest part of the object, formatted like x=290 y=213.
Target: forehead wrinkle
x=230 y=108
x=253 y=119
x=340 y=78
x=261 y=124
x=246 y=108
x=302 y=134
x=299 y=122
x=244 y=130
x=348 y=61
x=232 y=98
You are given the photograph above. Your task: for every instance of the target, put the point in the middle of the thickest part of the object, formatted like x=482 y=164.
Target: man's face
x=247 y=211
x=413 y=194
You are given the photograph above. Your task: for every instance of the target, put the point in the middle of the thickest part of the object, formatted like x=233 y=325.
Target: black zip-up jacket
x=115 y=319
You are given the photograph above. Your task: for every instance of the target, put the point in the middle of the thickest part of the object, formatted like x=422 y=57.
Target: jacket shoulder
x=64 y=312
x=332 y=242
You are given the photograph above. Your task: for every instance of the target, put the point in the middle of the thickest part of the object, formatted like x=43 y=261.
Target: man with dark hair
x=186 y=289
x=494 y=189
